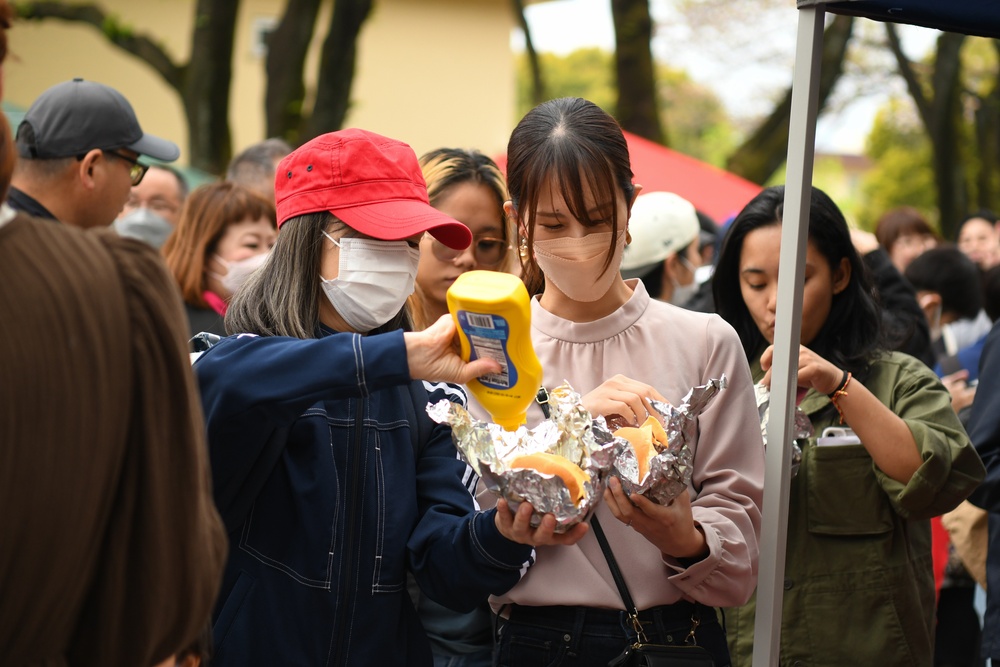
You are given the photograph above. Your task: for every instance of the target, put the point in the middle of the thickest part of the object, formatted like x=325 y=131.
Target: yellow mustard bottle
x=492 y=312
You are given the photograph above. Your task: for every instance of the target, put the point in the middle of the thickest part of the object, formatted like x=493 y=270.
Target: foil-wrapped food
x=657 y=460
x=525 y=465
x=802 y=428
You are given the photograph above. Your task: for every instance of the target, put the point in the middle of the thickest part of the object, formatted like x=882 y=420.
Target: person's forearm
x=886 y=437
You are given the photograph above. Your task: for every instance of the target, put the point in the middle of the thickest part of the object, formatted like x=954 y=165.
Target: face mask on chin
x=373 y=282
x=577 y=266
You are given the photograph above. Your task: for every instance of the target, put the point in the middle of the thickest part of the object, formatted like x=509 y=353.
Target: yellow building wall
x=430 y=72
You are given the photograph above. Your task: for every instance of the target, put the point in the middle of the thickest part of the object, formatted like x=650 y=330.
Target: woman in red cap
x=332 y=480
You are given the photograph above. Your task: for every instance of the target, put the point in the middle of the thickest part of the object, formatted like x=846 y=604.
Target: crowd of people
x=286 y=499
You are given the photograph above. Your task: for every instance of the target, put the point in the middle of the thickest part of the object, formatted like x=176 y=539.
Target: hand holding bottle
x=431 y=355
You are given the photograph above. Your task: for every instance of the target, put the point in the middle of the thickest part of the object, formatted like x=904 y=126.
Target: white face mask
x=374 y=280
x=933 y=321
x=238 y=271
x=683 y=293
x=144 y=225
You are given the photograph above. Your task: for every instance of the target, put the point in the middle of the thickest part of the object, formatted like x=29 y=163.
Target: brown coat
x=111 y=549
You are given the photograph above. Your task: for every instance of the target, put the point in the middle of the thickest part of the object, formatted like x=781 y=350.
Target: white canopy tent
x=973 y=17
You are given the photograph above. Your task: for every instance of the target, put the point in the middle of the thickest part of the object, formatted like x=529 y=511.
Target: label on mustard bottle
x=488 y=336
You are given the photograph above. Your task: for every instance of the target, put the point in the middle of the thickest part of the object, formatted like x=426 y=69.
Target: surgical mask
x=576 y=266
x=933 y=321
x=239 y=270
x=374 y=280
x=703 y=273
x=683 y=293
x=144 y=225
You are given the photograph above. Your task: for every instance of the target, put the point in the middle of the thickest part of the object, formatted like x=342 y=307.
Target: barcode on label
x=487 y=348
x=481 y=321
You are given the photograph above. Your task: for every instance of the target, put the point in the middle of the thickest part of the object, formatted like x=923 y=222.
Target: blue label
x=488 y=336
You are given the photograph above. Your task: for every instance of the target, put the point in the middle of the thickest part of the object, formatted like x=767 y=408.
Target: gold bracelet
x=840 y=393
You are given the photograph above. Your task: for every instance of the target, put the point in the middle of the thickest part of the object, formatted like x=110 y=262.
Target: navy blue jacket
x=984 y=431
x=365 y=486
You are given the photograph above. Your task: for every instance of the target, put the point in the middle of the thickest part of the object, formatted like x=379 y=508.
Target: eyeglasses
x=488 y=252
x=137 y=171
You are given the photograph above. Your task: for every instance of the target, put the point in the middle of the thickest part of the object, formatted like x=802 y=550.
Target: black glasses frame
x=446 y=254
x=138 y=169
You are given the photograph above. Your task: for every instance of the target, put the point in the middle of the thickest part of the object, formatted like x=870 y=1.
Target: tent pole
x=788 y=324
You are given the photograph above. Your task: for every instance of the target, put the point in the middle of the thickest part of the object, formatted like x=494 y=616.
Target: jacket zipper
x=341 y=636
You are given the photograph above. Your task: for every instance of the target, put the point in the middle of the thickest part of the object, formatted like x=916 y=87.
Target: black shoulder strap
x=234 y=510
x=609 y=555
x=542 y=398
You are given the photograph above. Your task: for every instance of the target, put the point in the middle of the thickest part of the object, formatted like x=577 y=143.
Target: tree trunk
x=946 y=116
x=941 y=116
x=637 y=110
x=987 y=123
x=207 y=80
x=767 y=148
x=287 y=47
x=537 y=81
x=336 y=69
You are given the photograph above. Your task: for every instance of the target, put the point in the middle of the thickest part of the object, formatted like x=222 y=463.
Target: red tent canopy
x=713 y=191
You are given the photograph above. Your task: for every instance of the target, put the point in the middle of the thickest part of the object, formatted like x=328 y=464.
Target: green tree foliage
x=698 y=122
x=902 y=174
x=583 y=73
x=904 y=154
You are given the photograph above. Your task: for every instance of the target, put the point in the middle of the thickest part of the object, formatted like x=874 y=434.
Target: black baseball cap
x=77 y=116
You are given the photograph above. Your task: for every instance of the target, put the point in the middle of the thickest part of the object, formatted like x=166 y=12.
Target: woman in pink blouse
x=571 y=193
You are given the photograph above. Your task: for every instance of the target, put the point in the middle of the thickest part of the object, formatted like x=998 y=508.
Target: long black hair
x=852 y=335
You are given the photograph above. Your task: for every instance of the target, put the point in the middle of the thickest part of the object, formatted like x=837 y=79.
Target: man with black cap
x=79 y=147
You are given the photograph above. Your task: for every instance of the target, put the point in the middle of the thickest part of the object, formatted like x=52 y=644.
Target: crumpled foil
x=670 y=470
x=802 y=428
x=570 y=431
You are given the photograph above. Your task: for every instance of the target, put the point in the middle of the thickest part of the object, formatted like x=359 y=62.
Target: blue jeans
x=478 y=659
x=589 y=637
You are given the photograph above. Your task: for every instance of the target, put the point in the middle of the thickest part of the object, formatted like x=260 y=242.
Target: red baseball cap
x=370 y=182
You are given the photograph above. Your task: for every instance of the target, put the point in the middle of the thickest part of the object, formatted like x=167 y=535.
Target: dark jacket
x=364 y=488
x=984 y=431
x=204 y=319
x=20 y=201
x=902 y=317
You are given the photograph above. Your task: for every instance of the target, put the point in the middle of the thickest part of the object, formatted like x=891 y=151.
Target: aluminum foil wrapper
x=670 y=470
x=802 y=428
x=570 y=431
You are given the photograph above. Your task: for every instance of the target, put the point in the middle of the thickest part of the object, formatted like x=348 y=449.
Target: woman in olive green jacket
x=858 y=583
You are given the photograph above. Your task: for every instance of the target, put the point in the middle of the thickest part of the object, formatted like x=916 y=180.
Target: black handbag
x=641 y=653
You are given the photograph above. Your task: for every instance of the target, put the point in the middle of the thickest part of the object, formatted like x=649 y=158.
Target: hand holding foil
x=569 y=432
x=802 y=428
x=670 y=469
